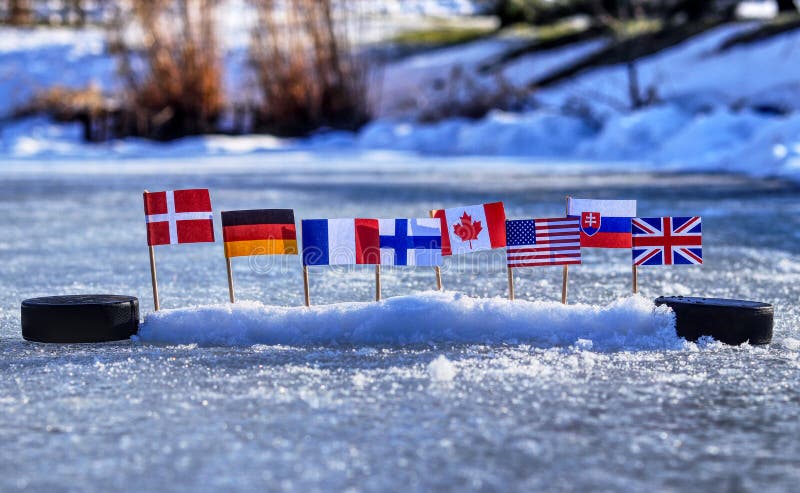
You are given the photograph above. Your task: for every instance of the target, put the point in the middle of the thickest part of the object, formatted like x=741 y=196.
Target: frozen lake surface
x=576 y=416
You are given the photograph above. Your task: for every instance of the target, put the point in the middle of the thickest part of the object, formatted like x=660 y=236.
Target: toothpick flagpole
x=230 y=280
x=510 y=283
x=305 y=285
x=635 y=279
x=153 y=277
x=437 y=269
x=377 y=283
x=565 y=272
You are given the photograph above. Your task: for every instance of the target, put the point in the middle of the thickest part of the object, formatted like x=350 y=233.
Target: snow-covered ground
x=708 y=116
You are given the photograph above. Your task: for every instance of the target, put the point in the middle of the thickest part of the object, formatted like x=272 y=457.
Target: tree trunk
x=786 y=6
x=633 y=86
x=80 y=12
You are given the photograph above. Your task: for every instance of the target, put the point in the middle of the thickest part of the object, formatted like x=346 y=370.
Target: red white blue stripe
x=340 y=242
x=604 y=223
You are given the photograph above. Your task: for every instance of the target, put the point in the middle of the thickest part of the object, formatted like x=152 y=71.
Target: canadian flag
x=472 y=228
x=178 y=216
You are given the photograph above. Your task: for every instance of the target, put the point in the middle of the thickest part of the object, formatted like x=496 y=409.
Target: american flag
x=667 y=240
x=543 y=241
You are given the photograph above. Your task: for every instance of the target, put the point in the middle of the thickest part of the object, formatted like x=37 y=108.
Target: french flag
x=341 y=242
x=604 y=223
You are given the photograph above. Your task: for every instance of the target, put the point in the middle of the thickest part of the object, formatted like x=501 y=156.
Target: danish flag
x=667 y=240
x=178 y=216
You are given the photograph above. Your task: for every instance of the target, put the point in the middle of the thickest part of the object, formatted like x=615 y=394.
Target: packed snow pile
x=632 y=323
x=442 y=369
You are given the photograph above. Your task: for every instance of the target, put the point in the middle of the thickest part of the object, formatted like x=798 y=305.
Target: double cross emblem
x=590 y=222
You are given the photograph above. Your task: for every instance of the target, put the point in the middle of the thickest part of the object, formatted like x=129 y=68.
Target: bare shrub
x=174 y=79
x=19 y=12
x=465 y=95
x=52 y=12
x=308 y=73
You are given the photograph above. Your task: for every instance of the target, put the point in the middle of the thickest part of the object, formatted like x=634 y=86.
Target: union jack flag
x=667 y=240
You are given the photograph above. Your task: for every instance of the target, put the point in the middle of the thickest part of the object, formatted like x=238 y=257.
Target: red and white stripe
x=558 y=242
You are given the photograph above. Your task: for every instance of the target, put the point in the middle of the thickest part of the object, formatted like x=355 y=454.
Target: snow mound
x=632 y=323
x=441 y=369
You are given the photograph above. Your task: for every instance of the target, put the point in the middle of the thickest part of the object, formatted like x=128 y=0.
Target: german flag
x=259 y=232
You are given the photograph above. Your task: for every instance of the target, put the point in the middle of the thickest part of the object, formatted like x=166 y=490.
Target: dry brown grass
x=308 y=73
x=64 y=103
x=179 y=90
x=48 y=12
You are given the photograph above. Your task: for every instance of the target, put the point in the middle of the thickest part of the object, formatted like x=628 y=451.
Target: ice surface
x=432 y=317
x=541 y=415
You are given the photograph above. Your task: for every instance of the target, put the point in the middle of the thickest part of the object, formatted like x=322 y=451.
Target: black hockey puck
x=729 y=321
x=80 y=318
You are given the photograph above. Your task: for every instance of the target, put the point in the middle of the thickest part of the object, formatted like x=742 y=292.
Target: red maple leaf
x=467 y=230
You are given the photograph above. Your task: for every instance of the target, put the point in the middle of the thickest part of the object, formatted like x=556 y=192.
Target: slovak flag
x=472 y=228
x=178 y=216
x=341 y=242
x=411 y=241
x=604 y=223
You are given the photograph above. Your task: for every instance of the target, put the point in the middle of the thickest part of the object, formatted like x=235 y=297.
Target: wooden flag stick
x=565 y=272
x=510 y=283
x=153 y=278
x=635 y=280
x=305 y=285
x=377 y=283
x=437 y=269
x=230 y=280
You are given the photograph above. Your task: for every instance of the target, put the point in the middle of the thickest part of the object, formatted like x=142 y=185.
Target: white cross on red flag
x=178 y=216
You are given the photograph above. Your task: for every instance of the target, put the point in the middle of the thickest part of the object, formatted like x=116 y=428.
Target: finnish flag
x=411 y=241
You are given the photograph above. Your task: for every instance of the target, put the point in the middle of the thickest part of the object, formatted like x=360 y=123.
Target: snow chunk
x=442 y=370
x=790 y=343
x=632 y=323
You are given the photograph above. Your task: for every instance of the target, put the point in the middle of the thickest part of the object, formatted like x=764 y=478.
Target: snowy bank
x=745 y=118
x=632 y=323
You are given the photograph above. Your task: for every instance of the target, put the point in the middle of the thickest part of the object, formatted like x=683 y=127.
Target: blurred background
x=682 y=84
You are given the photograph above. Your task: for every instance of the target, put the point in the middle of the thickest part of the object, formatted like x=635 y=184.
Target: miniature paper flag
x=259 y=232
x=341 y=241
x=472 y=228
x=178 y=216
x=667 y=240
x=543 y=241
x=411 y=241
x=604 y=223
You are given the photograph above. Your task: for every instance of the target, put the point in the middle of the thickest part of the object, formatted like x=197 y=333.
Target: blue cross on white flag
x=411 y=241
